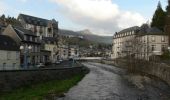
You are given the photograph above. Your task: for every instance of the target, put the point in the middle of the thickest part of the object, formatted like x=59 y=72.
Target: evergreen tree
x=168 y=7
x=158 y=19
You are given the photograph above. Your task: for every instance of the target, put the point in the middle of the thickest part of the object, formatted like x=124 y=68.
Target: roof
x=129 y=29
x=36 y=20
x=21 y=32
x=146 y=30
x=7 y=43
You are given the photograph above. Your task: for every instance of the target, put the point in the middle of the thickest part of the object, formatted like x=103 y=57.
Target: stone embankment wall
x=14 y=79
x=159 y=70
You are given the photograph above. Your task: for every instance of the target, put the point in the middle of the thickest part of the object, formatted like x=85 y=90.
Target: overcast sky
x=103 y=17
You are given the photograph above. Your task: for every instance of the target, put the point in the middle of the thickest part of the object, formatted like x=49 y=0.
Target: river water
x=105 y=82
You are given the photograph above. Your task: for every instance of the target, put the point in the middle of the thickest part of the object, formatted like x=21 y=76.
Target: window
x=17 y=55
x=153 y=47
x=31 y=39
x=163 y=39
x=163 y=47
x=8 y=55
x=25 y=37
x=153 y=39
x=144 y=39
x=4 y=65
x=13 y=65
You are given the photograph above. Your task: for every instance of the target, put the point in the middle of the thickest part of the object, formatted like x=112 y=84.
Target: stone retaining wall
x=14 y=79
x=159 y=70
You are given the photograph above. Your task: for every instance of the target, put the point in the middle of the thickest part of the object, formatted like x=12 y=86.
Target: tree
x=168 y=7
x=158 y=19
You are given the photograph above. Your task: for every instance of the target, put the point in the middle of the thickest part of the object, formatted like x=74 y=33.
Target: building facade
x=63 y=52
x=73 y=51
x=51 y=44
x=151 y=42
x=122 y=42
x=41 y=27
x=30 y=44
x=9 y=54
x=139 y=42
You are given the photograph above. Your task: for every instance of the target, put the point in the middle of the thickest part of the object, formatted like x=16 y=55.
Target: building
x=9 y=54
x=73 y=51
x=45 y=57
x=2 y=27
x=151 y=42
x=29 y=43
x=139 y=42
x=122 y=42
x=63 y=52
x=41 y=27
x=51 y=44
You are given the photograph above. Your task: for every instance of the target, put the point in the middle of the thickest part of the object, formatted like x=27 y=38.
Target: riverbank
x=151 y=69
x=46 y=90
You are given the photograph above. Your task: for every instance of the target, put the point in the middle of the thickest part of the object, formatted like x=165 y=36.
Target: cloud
x=3 y=8
x=101 y=16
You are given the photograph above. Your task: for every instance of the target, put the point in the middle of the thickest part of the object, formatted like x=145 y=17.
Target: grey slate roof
x=7 y=43
x=21 y=32
x=38 y=21
x=34 y=20
x=146 y=30
x=129 y=29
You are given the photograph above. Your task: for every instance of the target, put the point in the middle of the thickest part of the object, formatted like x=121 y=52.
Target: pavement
x=105 y=82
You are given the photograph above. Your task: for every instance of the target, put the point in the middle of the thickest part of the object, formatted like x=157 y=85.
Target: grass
x=43 y=90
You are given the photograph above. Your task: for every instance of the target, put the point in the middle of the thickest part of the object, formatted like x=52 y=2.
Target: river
x=105 y=82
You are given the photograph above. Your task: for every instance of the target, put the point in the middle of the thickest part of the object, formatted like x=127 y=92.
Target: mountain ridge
x=88 y=35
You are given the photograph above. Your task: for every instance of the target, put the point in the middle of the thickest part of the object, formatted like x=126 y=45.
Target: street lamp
x=169 y=49
x=25 y=52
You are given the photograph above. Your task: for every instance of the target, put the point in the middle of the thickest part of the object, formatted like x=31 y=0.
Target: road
x=106 y=82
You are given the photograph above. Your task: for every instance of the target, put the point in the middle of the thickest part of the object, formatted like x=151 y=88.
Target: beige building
x=41 y=27
x=140 y=42
x=151 y=42
x=25 y=38
x=63 y=52
x=9 y=54
x=50 y=44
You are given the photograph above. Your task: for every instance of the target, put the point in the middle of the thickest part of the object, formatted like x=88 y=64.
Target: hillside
x=86 y=34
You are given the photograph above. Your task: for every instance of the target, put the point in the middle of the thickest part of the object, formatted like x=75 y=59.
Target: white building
x=73 y=51
x=141 y=42
x=122 y=38
x=9 y=54
x=151 y=42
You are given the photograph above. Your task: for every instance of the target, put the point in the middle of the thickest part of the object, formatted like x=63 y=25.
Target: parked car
x=60 y=60
x=40 y=65
x=57 y=62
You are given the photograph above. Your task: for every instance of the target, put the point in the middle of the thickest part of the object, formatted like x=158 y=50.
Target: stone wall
x=14 y=79
x=159 y=70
